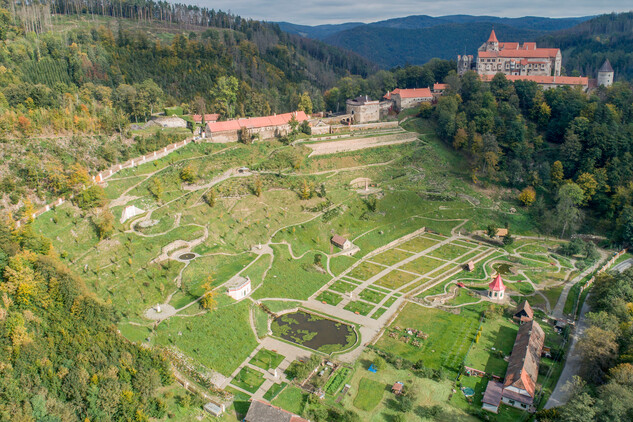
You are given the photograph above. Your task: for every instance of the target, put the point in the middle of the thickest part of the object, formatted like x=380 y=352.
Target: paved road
x=572 y=366
x=560 y=395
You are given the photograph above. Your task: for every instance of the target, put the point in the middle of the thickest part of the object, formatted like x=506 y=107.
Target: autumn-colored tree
x=589 y=185
x=210 y=198
x=155 y=187
x=306 y=191
x=556 y=173
x=305 y=103
x=208 y=301
x=527 y=196
x=460 y=139
x=188 y=174
x=79 y=176
x=257 y=187
x=103 y=221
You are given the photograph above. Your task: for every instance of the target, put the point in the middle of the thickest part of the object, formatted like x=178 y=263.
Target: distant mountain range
x=417 y=39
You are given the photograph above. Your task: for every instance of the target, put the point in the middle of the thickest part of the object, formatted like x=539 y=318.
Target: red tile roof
x=497 y=284
x=207 y=118
x=524 y=360
x=413 y=93
x=256 y=122
x=493 y=37
x=439 y=87
x=520 y=53
x=558 y=80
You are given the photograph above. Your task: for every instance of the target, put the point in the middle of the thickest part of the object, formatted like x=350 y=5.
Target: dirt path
x=333 y=147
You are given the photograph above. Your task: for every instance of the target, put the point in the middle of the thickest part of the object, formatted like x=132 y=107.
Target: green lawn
x=371 y=295
x=449 y=251
x=342 y=287
x=366 y=270
x=418 y=244
x=266 y=359
x=378 y=313
x=390 y=301
x=449 y=336
x=204 y=337
x=369 y=394
x=362 y=308
x=291 y=399
x=423 y=265
x=395 y=279
x=498 y=333
x=330 y=298
x=248 y=379
x=274 y=391
x=390 y=257
x=289 y=278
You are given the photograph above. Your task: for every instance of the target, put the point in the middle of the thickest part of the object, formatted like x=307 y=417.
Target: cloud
x=330 y=11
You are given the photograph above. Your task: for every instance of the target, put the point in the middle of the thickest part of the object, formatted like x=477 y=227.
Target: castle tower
x=493 y=43
x=605 y=74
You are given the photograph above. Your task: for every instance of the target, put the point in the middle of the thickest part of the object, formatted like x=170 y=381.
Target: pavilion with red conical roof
x=496 y=289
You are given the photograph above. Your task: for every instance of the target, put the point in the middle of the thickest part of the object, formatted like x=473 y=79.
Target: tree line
x=568 y=153
x=62 y=357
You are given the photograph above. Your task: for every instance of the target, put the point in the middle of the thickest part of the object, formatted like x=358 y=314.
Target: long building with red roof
x=263 y=127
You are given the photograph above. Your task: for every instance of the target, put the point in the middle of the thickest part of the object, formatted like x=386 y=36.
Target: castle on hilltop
x=512 y=58
x=527 y=62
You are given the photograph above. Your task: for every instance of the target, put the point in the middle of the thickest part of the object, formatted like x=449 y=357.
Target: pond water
x=187 y=256
x=313 y=331
x=503 y=269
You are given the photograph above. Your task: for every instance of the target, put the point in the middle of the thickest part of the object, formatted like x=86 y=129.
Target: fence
x=609 y=263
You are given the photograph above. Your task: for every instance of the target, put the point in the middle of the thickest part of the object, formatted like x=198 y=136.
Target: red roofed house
x=523 y=313
x=409 y=98
x=512 y=58
x=496 y=289
x=519 y=384
x=260 y=411
x=197 y=118
x=341 y=242
x=265 y=127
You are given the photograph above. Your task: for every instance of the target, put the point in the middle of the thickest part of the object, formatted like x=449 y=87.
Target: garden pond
x=315 y=332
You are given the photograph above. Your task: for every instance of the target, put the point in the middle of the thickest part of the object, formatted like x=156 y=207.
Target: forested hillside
x=587 y=45
x=391 y=47
x=321 y=32
x=72 y=82
x=569 y=153
x=61 y=357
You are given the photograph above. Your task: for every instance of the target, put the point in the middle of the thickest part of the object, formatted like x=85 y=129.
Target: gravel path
x=333 y=147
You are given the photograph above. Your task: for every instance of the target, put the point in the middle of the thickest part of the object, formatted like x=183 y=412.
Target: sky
x=331 y=11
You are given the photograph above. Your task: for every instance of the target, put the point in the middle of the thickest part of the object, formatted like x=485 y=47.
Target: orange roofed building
x=264 y=127
x=519 y=386
x=409 y=98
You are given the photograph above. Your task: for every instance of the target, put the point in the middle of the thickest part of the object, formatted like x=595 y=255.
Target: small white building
x=130 y=212
x=496 y=289
x=239 y=287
